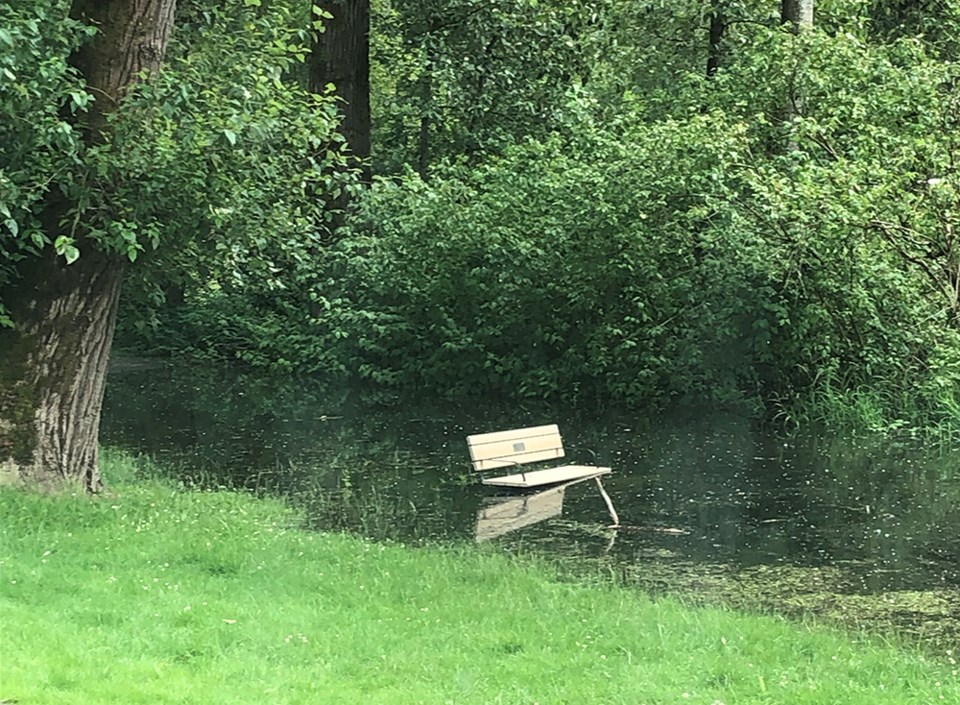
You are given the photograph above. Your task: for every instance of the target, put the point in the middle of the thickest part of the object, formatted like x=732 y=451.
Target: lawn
x=154 y=594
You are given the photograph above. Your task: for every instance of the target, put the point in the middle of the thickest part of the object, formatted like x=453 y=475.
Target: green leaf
x=79 y=99
x=231 y=137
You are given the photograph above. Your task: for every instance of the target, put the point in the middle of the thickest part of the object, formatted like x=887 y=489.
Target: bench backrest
x=489 y=451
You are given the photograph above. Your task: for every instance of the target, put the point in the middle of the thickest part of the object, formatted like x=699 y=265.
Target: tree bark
x=132 y=37
x=717 y=28
x=341 y=57
x=53 y=363
x=799 y=13
x=426 y=110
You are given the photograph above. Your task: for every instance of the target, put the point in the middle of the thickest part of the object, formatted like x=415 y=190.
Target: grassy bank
x=154 y=595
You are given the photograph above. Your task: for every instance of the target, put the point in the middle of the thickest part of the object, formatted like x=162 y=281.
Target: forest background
x=636 y=204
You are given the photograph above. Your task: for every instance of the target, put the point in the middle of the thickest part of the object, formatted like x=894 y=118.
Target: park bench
x=518 y=447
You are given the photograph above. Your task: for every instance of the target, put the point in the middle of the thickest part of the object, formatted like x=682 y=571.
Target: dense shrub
x=717 y=256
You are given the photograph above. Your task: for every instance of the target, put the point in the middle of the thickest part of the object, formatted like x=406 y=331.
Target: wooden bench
x=513 y=449
x=520 y=446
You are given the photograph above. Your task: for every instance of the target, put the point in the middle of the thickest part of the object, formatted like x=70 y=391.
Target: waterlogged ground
x=714 y=508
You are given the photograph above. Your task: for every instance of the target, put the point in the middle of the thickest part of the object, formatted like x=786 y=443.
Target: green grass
x=154 y=595
x=873 y=410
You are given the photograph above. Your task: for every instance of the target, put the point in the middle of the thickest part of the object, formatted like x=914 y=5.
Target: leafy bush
x=728 y=252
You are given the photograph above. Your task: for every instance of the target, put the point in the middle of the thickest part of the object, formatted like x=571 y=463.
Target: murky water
x=713 y=506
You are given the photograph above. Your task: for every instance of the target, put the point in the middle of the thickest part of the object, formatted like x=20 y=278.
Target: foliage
x=859 y=221
x=602 y=221
x=937 y=21
x=545 y=273
x=216 y=164
x=468 y=78
x=237 y=156
x=688 y=258
x=39 y=146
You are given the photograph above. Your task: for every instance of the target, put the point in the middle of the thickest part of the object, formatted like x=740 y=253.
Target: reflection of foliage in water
x=742 y=493
x=381 y=500
x=752 y=497
x=873 y=525
x=903 y=502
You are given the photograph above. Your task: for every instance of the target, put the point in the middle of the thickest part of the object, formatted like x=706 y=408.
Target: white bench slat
x=550 y=476
x=516 y=433
x=519 y=447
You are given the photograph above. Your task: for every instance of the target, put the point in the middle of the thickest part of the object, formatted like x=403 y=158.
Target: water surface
x=714 y=506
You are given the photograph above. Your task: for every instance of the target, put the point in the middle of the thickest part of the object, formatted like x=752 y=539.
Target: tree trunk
x=799 y=13
x=53 y=364
x=717 y=28
x=426 y=110
x=341 y=57
x=131 y=37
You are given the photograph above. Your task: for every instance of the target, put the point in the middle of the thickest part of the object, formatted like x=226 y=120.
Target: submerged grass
x=871 y=411
x=157 y=595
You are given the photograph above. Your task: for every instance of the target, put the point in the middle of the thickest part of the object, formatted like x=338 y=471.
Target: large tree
x=208 y=169
x=54 y=361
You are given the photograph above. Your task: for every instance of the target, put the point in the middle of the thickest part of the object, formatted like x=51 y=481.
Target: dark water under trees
x=715 y=507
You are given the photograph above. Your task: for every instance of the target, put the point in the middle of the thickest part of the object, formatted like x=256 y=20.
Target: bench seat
x=550 y=476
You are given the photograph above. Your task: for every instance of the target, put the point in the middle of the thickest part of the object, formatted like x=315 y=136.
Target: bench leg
x=606 y=498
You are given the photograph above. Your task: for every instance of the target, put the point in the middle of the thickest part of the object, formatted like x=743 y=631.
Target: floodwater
x=713 y=507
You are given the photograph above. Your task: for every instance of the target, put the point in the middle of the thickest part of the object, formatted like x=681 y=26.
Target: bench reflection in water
x=506 y=514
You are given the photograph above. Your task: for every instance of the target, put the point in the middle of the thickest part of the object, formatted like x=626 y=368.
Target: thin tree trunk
x=426 y=109
x=341 y=57
x=799 y=13
x=717 y=28
x=798 y=16
x=53 y=364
